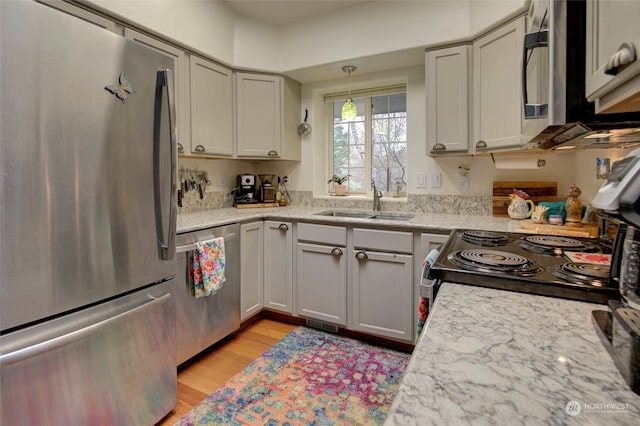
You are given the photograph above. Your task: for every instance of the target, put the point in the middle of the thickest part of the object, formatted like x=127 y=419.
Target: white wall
x=204 y=26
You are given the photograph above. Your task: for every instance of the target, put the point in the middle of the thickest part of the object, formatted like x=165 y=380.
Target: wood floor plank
x=215 y=367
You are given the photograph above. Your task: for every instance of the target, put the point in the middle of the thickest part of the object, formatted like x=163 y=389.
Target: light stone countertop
x=486 y=356
x=493 y=357
x=421 y=221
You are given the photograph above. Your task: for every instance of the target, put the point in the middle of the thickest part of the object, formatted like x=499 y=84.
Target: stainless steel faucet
x=377 y=195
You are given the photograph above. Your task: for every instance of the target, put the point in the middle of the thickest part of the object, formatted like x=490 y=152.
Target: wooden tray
x=586 y=230
x=537 y=191
x=255 y=205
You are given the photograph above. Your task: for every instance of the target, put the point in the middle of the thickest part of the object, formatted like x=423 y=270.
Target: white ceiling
x=288 y=11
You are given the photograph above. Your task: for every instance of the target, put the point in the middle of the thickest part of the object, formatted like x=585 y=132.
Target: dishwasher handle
x=190 y=247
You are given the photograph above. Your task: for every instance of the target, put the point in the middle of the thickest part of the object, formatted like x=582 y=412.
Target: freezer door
x=85 y=129
x=113 y=364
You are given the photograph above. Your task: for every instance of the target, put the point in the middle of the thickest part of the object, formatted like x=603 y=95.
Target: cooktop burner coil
x=484 y=238
x=585 y=273
x=555 y=245
x=494 y=261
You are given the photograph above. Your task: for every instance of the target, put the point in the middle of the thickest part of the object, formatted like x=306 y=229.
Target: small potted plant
x=338 y=183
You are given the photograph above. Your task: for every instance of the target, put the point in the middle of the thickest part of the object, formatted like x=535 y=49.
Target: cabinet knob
x=481 y=144
x=625 y=54
x=361 y=255
x=283 y=227
x=336 y=252
x=439 y=147
x=199 y=148
x=180 y=147
x=273 y=153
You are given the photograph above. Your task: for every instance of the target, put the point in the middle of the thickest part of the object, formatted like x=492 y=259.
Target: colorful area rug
x=308 y=378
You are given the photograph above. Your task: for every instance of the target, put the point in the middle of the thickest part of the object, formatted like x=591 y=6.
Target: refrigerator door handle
x=166 y=237
x=76 y=335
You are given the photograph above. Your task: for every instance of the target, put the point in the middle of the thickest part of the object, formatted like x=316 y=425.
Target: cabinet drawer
x=334 y=235
x=375 y=239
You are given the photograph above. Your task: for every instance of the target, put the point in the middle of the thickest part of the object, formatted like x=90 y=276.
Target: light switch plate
x=436 y=179
x=421 y=180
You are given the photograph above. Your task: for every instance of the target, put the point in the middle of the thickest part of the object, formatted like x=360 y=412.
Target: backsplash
x=474 y=205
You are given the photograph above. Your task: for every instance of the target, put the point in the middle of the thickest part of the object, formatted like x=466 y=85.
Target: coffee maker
x=619 y=327
x=245 y=190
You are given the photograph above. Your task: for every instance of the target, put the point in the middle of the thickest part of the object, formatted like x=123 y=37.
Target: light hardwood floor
x=218 y=364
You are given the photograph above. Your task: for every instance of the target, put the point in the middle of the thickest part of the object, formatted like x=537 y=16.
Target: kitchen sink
x=401 y=217
x=338 y=213
x=366 y=215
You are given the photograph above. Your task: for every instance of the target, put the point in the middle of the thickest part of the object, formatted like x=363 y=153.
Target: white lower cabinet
x=321 y=272
x=251 y=264
x=382 y=300
x=278 y=266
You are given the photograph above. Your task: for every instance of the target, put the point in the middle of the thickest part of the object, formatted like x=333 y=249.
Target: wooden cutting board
x=538 y=191
x=255 y=205
x=587 y=230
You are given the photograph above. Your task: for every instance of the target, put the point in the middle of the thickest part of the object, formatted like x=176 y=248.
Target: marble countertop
x=421 y=221
x=496 y=357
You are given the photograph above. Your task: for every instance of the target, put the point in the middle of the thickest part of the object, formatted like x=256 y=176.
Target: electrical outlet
x=285 y=179
x=436 y=179
x=421 y=180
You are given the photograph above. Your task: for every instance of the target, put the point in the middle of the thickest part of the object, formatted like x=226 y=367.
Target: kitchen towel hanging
x=206 y=265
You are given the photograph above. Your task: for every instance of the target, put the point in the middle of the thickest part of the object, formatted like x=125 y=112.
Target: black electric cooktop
x=526 y=263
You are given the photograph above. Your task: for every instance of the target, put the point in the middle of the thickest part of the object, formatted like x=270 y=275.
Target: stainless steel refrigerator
x=87 y=222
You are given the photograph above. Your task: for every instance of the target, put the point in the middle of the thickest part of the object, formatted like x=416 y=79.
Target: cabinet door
x=611 y=24
x=278 y=266
x=322 y=282
x=181 y=83
x=382 y=296
x=447 y=96
x=258 y=115
x=497 y=91
x=211 y=108
x=251 y=262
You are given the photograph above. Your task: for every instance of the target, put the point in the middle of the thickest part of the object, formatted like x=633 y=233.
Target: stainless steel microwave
x=555 y=111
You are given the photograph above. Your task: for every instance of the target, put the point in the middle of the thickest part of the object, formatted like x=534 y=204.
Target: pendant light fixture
x=349 y=110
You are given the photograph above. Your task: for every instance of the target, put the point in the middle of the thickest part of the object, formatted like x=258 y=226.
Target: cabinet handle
x=180 y=147
x=272 y=153
x=199 y=148
x=625 y=54
x=362 y=255
x=336 y=252
x=283 y=227
x=481 y=145
x=439 y=147
x=532 y=41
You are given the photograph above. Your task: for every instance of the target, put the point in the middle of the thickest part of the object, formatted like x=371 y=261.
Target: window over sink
x=372 y=148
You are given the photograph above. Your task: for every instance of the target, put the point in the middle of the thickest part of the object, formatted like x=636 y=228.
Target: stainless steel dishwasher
x=204 y=321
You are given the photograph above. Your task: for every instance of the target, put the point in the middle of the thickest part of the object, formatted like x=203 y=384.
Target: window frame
x=367 y=94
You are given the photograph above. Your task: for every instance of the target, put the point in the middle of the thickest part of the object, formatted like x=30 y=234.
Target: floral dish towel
x=206 y=267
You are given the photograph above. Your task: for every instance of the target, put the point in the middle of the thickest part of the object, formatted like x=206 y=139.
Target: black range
x=525 y=263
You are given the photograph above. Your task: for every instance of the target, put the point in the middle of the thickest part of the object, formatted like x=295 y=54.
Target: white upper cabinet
x=266 y=115
x=447 y=100
x=497 y=90
x=613 y=46
x=211 y=108
x=181 y=82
